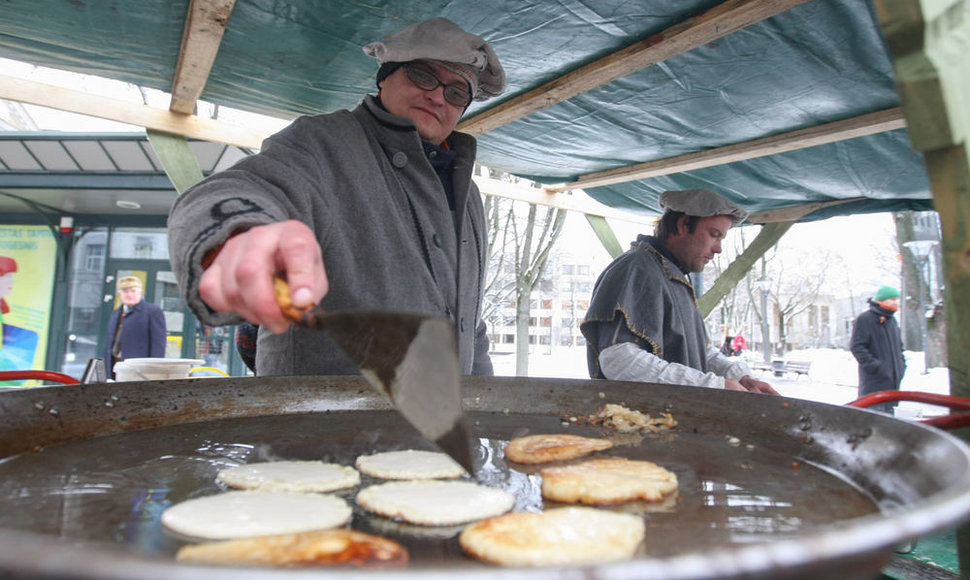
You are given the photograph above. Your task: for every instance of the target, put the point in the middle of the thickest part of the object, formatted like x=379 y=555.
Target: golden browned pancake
x=410 y=464
x=562 y=536
x=435 y=502
x=340 y=547
x=292 y=476
x=607 y=481
x=558 y=447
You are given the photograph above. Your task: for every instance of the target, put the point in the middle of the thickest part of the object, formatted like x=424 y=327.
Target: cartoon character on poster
x=26 y=285
x=17 y=345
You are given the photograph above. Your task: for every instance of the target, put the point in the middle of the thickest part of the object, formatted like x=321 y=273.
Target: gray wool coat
x=360 y=180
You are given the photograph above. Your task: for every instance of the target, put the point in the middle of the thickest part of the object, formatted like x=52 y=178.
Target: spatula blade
x=412 y=359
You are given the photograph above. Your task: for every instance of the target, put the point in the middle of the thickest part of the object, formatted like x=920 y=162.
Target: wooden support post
x=929 y=41
x=767 y=237
x=177 y=159
x=605 y=234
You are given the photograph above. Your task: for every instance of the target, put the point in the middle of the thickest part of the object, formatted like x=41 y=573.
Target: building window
x=144 y=246
x=94 y=257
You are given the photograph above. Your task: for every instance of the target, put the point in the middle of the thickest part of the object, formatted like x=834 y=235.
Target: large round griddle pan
x=918 y=476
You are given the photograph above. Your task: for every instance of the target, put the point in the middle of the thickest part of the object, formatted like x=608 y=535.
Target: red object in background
x=959 y=406
x=49 y=376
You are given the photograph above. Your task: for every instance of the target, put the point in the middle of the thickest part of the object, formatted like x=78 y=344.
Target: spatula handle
x=308 y=317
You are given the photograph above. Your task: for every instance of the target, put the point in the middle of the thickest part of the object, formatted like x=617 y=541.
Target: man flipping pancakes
x=373 y=208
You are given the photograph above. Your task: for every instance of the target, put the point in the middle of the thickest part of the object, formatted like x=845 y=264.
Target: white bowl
x=154 y=369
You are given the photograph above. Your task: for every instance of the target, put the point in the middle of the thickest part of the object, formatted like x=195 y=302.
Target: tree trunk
x=522 y=332
x=909 y=306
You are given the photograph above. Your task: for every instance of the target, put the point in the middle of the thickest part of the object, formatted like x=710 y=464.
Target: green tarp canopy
x=812 y=64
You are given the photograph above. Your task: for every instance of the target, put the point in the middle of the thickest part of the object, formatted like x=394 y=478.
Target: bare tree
x=519 y=249
x=732 y=313
x=534 y=241
x=499 y=281
x=796 y=280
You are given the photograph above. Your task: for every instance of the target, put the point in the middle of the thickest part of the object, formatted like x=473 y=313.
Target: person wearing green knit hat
x=885 y=293
x=878 y=347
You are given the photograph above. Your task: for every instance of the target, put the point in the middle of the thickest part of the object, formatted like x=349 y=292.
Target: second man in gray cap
x=643 y=323
x=373 y=208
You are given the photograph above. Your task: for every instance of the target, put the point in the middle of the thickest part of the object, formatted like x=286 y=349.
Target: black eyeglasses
x=456 y=94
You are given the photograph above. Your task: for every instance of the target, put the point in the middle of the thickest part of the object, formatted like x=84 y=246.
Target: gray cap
x=701 y=203
x=440 y=39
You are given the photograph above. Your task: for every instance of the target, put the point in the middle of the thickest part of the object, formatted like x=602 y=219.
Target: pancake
x=558 y=537
x=245 y=514
x=607 y=481
x=409 y=464
x=435 y=503
x=339 y=547
x=548 y=448
x=290 y=476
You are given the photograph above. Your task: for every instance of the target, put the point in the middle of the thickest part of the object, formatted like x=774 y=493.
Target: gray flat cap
x=701 y=203
x=442 y=40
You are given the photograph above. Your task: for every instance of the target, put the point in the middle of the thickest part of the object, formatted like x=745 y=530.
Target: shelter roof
x=775 y=104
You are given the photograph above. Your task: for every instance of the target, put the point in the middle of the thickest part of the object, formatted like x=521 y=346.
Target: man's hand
x=755 y=386
x=240 y=278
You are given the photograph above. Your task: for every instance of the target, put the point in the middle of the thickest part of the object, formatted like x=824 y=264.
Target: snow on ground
x=833 y=377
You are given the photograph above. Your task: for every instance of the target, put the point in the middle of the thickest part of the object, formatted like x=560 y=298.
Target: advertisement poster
x=27 y=258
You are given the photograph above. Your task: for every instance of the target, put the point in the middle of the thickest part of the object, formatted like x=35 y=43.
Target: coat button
x=436 y=238
x=400 y=159
x=461 y=324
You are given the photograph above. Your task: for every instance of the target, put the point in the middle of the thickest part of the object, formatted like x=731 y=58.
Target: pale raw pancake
x=292 y=476
x=546 y=448
x=607 y=481
x=341 y=547
x=435 y=503
x=245 y=514
x=410 y=464
x=558 y=537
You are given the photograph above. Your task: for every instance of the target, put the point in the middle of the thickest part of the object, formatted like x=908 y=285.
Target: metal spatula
x=410 y=358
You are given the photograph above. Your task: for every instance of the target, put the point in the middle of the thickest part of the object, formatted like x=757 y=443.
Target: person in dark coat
x=878 y=347
x=142 y=331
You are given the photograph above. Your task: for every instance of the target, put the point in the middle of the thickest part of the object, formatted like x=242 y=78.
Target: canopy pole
x=929 y=42
x=605 y=234
x=177 y=159
x=767 y=237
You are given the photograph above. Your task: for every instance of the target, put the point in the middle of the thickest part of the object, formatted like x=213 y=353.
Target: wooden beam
x=605 y=234
x=45 y=95
x=178 y=160
x=868 y=124
x=929 y=42
x=739 y=268
x=572 y=201
x=795 y=212
x=205 y=24
x=717 y=22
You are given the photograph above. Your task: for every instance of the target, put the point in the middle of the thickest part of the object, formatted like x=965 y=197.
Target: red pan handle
x=951 y=421
x=49 y=376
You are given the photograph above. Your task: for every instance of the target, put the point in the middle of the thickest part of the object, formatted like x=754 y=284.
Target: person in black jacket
x=136 y=329
x=878 y=347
